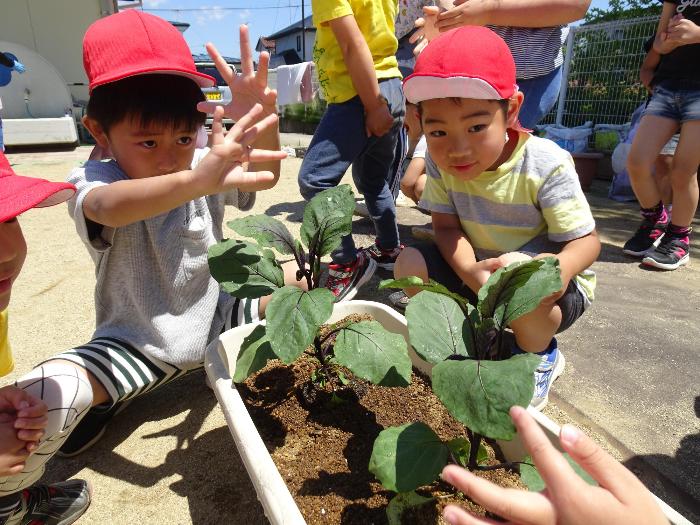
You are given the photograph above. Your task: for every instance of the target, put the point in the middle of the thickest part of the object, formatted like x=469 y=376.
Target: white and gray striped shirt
x=537 y=51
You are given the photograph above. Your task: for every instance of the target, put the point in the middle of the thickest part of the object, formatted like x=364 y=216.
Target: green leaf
x=269 y=232
x=373 y=353
x=438 y=327
x=294 y=317
x=407 y=457
x=518 y=289
x=480 y=393
x=245 y=270
x=417 y=282
x=402 y=502
x=461 y=447
x=253 y=355
x=531 y=477
x=327 y=218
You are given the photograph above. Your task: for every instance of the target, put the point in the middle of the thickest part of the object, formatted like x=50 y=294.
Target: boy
x=24 y=418
x=148 y=215
x=496 y=193
x=360 y=79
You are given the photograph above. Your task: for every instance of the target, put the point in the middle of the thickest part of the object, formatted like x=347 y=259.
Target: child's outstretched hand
x=28 y=415
x=13 y=451
x=224 y=167
x=620 y=497
x=249 y=87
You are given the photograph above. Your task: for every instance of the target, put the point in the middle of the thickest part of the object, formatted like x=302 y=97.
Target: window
x=298 y=42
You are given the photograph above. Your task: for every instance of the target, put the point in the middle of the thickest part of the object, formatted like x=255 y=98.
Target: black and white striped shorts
x=126 y=372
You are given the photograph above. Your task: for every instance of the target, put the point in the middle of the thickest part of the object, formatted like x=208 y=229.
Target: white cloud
x=209 y=14
x=152 y=4
x=244 y=15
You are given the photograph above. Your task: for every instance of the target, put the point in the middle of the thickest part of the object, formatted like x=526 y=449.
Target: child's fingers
x=263 y=67
x=217 y=126
x=30 y=423
x=511 y=504
x=250 y=134
x=244 y=123
x=551 y=464
x=17 y=468
x=246 y=53
x=206 y=107
x=455 y=515
x=30 y=435
x=265 y=155
x=602 y=467
x=222 y=66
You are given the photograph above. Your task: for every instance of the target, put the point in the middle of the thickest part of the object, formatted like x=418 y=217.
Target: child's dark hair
x=147 y=99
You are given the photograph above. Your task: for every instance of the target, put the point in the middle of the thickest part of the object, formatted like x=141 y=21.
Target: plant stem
x=475 y=441
x=507 y=464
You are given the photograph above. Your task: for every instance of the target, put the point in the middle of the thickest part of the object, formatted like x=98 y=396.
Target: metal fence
x=601 y=73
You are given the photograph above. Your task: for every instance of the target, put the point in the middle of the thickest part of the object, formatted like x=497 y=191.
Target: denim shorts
x=670 y=147
x=572 y=303
x=675 y=101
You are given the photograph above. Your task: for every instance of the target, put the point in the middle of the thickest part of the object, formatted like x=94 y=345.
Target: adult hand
x=619 y=499
x=222 y=168
x=682 y=31
x=465 y=12
x=28 y=414
x=247 y=88
x=378 y=120
x=663 y=44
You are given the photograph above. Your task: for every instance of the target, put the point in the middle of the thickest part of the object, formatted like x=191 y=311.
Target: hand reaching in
x=465 y=13
x=224 y=167
x=427 y=29
x=619 y=499
x=247 y=88
x=27 y=413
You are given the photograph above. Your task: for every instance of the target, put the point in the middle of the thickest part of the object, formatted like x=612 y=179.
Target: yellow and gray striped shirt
x=533 y=203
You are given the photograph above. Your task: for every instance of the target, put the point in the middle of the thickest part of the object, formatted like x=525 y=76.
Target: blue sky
x=217 y=21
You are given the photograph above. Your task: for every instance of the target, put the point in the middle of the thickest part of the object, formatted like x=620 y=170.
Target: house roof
x=296 y=26
x=203 y=57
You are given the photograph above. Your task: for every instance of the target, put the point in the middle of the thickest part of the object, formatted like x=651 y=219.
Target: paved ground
x=631 y=377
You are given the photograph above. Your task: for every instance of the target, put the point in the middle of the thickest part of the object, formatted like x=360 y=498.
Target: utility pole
x=303 y=33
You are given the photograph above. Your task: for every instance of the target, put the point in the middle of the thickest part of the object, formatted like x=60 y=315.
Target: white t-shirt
x=153 y=288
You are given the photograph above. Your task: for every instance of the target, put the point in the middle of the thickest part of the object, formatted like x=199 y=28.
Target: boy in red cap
x=25 y=421
x=496 y=193
x=149 y=212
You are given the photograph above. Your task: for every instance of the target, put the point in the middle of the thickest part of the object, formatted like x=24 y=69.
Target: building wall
x=290 y=42
x=55 y=30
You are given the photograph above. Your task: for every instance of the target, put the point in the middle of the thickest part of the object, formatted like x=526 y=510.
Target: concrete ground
x=631 y=376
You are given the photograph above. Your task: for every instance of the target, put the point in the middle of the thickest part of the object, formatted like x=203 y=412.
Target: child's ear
x=97 y=131
x=514 y=104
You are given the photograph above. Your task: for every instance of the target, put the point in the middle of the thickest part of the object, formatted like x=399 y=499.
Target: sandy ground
x=169 y=458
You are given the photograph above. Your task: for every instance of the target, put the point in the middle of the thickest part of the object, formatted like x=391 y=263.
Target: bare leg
x=652 y=134
x=534 y=331
x=290 y=278
x=410 y=262
x=684 y=179
x=662 y=177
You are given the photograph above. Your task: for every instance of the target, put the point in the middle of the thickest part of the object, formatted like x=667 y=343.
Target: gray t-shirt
x=153 y=288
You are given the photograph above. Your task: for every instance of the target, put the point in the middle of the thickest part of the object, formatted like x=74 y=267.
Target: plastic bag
x=574 y=140
x=620 y=187
x=606 y=137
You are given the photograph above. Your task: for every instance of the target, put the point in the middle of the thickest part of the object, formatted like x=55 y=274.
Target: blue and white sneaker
x=551 y=367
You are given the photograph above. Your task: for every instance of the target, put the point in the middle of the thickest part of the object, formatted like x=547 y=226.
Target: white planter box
x=272 y=492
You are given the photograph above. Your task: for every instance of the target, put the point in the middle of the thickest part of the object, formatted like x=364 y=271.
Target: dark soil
x=323 y=453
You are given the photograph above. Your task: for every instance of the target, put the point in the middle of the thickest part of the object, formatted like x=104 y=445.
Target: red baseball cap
x=136 y=43
x=18 y=194
x=467 y=62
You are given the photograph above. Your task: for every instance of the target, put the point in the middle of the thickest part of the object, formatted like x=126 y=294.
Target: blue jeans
x=341 y=141
x=675 y=100
x=541 y=93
